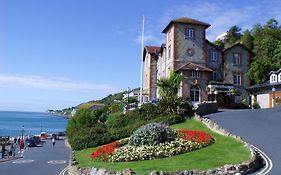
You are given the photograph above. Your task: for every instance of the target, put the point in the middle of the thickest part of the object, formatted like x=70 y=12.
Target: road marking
x=23 y=161
x=56 y=162
x=64 y=170
x=268 y=162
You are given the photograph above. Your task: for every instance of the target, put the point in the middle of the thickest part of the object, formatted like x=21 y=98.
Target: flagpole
x=141 y=74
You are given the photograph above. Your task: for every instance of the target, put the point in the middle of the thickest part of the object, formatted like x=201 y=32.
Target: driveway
x=260 y=127
x=46 y=160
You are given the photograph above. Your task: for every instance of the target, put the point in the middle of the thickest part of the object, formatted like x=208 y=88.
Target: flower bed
x=187 y=140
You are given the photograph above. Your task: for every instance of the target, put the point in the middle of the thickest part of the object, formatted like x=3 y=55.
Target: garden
x=152 y=137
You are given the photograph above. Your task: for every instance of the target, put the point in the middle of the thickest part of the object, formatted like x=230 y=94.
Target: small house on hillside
x=268 y=94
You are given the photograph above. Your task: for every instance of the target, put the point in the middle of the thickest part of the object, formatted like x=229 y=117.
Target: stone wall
x=206 y=108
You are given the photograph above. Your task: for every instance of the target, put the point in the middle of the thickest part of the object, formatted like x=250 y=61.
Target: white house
x=268 y=94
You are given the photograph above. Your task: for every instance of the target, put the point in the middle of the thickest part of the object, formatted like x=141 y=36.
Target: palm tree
x=169 y=86
x=168 y=89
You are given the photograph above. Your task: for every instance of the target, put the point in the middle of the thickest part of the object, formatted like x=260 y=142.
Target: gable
x=273 y=78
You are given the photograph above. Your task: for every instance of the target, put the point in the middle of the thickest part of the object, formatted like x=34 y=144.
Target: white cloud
x=222 y=15
x=51 y=83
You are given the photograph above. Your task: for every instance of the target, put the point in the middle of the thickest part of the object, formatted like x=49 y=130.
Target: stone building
x=210 y=72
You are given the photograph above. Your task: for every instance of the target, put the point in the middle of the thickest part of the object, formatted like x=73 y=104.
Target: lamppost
x=273 y=96
x=216 y=93
x=128 y=91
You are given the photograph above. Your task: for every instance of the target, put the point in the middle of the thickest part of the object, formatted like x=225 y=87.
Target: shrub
x=256 y=105
x=89 y=137
x=152 y=134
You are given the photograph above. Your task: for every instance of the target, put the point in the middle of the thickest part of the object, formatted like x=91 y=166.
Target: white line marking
x=56 y=162
x=268 y=162
x=64 y=170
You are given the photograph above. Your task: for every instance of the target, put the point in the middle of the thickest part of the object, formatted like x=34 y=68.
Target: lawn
x=225 y=150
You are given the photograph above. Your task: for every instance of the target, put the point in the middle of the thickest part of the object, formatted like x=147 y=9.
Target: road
x=260 y=127
x=46 y=160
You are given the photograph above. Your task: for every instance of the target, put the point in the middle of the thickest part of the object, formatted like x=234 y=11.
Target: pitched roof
x=185 y=20
x=264 y=85
x=193 y=66
x=152 y=49
x=237 y=44
x=219 y=48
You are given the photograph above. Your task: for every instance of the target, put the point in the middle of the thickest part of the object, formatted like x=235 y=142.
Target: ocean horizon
x=12 y=123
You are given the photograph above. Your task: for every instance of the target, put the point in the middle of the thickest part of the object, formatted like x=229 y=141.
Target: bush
x=152 y=134
x=256 y=105
x=89 y=137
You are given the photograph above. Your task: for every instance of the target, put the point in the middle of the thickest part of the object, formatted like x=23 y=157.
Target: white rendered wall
x=263 y=100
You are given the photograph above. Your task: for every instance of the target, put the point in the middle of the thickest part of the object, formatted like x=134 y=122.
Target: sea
x=30 y=123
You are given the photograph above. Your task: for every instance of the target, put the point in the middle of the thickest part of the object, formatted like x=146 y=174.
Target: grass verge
x=225 y=150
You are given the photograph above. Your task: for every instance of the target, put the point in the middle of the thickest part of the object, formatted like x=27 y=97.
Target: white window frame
x=189 y=33
x=169 y=52
x=195 y=94
x=214 y=56
x=214 y=75
x=195 y=74
x=273 y=78
x=236 y=58
x=236 y=77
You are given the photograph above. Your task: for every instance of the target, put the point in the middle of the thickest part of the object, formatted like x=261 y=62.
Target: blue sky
x=56 y=54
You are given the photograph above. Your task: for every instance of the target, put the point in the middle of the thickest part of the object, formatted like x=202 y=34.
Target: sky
x=56 y=54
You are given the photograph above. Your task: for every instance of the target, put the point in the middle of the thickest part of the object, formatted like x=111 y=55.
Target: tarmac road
x=45 y=160
x=260 y=127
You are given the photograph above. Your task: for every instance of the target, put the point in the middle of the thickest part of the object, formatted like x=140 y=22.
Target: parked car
x=31 y=142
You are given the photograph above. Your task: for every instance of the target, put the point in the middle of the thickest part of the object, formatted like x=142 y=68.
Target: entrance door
x=195 y=95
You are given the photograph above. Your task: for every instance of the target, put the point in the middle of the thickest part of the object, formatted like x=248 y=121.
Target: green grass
x=225 y=150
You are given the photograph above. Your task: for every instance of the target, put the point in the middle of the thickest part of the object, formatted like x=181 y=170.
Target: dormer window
x=273 y=78
x=236 y=58
x=189 y=33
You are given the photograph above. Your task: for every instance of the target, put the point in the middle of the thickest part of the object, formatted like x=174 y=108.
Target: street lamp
x=273 y=96
x=128 y=91
x=216 y=93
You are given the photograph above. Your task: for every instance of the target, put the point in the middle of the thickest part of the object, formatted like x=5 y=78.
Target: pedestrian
x=54 y=141
x=15 y=140
x=3 y=151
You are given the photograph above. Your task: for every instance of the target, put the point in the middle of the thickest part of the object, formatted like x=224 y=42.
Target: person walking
x=53 y=141
x=3 y=151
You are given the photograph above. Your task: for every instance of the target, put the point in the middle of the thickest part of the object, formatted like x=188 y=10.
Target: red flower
x=197 y=136
x=106 y=150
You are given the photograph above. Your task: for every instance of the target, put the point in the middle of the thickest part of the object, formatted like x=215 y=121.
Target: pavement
x=259 y=127
x=44 y=160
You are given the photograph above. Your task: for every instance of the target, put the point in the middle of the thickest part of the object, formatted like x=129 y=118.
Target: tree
x=169 y=86
x=277 y=57
x=266 y=50
x=168 y=89
x=247 y=39
x=233 y=35
x=218 y=43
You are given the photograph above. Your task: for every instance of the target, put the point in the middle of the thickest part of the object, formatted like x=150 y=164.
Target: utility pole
x=141 y=75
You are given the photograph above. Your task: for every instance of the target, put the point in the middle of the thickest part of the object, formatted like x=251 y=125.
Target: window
x=214 y=56
x=273 y=78
x=189 y=33
x=237 y=79
x=236 y=58
x=169 y=52
x=195 y=74
x=169 y=36
x=194 y=94
x=214 y=76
